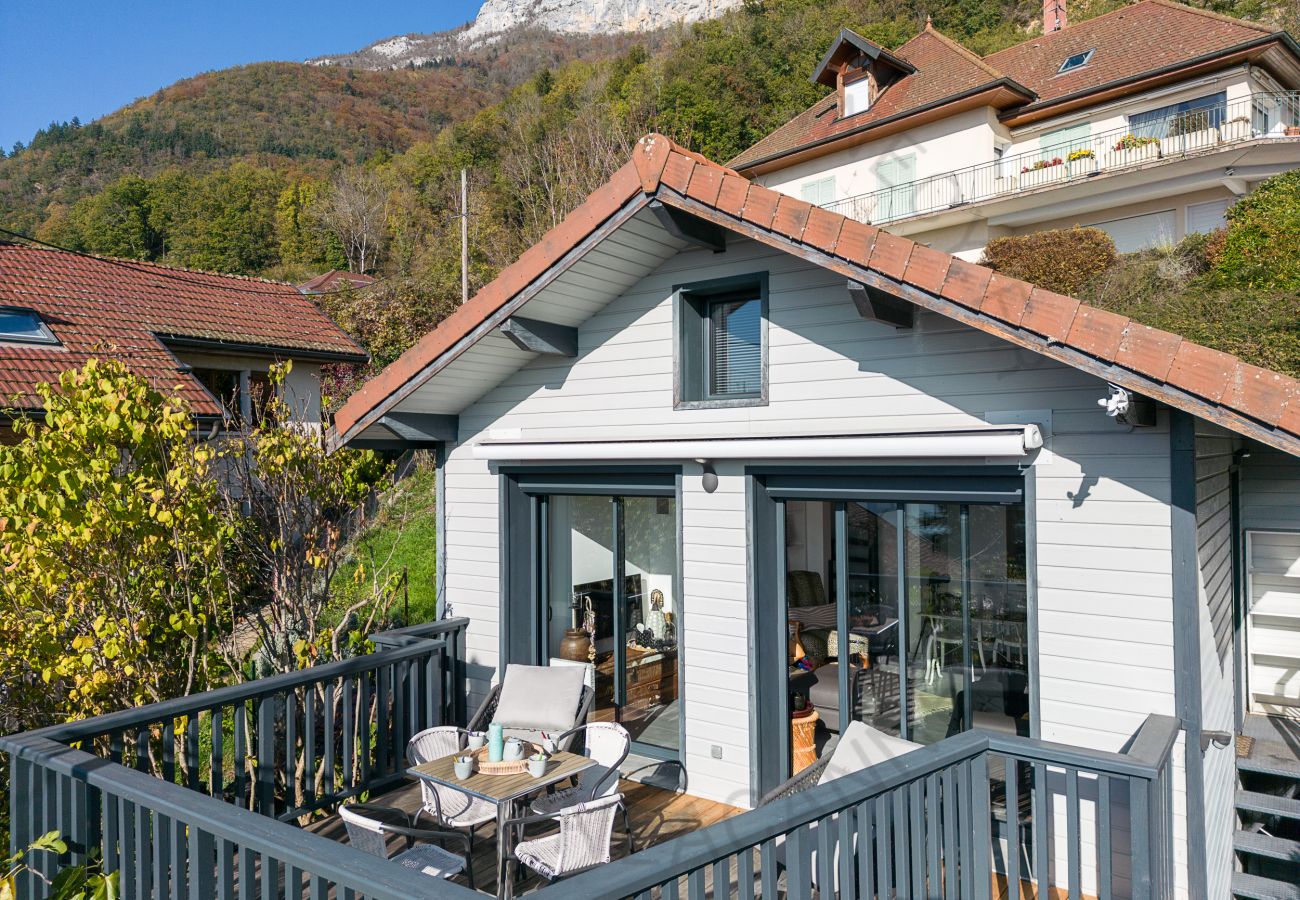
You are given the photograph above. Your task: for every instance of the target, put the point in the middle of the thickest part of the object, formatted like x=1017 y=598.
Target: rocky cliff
x=498 y=18
x=588 y=16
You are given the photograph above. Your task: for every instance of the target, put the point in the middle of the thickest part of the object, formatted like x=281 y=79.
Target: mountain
x=514 y=23
x=287 y=115
x=498 y=17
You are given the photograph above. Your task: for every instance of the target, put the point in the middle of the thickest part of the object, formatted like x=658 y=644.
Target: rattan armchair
x=369 y=827
x=582 y=842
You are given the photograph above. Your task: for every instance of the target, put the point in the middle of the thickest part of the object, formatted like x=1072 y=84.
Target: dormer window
x=857 y=96
x=24 y=326
x=1077 y=61
x=859 y=71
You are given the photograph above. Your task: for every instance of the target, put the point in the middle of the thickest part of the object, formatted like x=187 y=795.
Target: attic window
x=23 y=326
x=857 y=96
x=1077 y=61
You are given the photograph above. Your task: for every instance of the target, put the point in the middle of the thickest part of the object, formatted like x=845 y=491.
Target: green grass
x=401 y=535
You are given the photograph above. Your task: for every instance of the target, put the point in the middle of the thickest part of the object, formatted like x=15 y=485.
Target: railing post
x=981 y=820
x=264 y=790
x=1140 y=836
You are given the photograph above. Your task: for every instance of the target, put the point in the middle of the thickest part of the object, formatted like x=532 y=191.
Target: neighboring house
x=1170 y=112
x=211 y=338
x=335 y=280
x=715 y=411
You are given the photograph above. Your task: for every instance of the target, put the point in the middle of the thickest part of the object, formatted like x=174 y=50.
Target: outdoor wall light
x=709 y=480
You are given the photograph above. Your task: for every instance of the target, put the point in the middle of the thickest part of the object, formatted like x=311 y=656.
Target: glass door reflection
x=610 y=568
x=910 y=617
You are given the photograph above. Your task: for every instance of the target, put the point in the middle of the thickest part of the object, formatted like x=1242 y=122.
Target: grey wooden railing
x=183 y=797
x=935 y=823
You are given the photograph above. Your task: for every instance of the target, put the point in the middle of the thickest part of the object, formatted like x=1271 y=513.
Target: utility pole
x=464 y=237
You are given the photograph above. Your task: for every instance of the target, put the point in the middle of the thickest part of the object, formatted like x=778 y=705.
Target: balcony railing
x=194 y=798
x=1172 y=137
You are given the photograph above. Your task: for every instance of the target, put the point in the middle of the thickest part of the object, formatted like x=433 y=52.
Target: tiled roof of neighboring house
x=335 y=280
x=1144 y=38
x=944 y=69
x=132 y=310
x=1256 y=402
x=1132 y=40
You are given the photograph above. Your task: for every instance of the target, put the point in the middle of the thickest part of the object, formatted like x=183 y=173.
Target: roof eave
x=764 y=163
x=217 y=345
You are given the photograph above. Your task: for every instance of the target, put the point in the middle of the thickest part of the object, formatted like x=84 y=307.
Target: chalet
x=825 y=465
x=1146 y=122
x=211 y=338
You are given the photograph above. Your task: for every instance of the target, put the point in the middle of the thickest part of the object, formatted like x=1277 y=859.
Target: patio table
x=502 y=791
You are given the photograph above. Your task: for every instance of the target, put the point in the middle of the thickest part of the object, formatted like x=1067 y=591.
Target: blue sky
x=65 y=58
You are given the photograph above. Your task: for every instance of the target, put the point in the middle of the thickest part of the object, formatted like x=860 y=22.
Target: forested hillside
x=284 y=170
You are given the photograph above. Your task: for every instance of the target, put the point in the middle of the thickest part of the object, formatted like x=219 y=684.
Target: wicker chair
x=369 y=826
x=581 y=843
x=486 y=711
x=447 y=806
x=804 y=780
x=608 y=744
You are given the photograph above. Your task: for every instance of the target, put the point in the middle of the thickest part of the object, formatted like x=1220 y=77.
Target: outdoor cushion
x=539 y=698
x=861 y=746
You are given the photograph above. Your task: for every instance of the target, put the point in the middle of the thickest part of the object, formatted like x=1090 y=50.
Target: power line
x=175 y=274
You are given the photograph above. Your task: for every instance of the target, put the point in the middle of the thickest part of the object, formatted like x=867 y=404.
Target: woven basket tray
x=505 y=767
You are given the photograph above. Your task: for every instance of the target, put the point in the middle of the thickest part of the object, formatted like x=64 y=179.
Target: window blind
x=735 y=347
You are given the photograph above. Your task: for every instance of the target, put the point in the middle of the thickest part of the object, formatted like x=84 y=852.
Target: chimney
x=1053 y=15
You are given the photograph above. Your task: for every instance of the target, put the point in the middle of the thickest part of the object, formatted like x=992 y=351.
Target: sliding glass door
x=607 y=566
x=908 y=615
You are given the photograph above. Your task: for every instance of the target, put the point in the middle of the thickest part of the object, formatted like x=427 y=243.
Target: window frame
x=692 y=356
x=1065 y=66
x=45 y=338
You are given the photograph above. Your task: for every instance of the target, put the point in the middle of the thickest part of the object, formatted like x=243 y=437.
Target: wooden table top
x=501 y=788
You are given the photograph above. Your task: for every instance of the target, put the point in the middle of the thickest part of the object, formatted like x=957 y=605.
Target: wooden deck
x=657 y=815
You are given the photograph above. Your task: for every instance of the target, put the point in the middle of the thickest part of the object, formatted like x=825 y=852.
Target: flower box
x=1132 y=156
x=1083 y=166
x=1191 y=141
x=1236 y=130
x=1033 y=178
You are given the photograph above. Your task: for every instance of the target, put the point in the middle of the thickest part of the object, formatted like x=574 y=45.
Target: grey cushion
x=539 y=698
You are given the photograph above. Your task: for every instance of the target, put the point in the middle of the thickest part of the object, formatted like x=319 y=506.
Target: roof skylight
x=22 y=326
x=1077 y=61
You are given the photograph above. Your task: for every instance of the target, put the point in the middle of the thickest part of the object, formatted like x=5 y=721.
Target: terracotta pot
x=576 y=645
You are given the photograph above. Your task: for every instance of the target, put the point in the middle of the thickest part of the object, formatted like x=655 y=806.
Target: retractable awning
x=1004 y=442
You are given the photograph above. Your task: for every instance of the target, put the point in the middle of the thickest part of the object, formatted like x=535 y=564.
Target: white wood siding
x=1103 y=524
x=1214 y=539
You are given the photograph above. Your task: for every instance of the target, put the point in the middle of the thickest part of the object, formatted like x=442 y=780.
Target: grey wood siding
x=1104 y=581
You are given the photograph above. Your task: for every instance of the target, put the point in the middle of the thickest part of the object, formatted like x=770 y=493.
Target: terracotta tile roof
x=1221 y=388
x=1132 y=40
x=1145 y=37
x=943 y=69
x=101 y=307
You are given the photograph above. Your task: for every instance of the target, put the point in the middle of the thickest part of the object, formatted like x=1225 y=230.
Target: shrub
x=1064 y=260
x=1259 y=248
